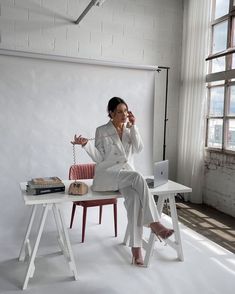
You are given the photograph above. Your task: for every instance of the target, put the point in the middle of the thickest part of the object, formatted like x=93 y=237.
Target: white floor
x=104 y=264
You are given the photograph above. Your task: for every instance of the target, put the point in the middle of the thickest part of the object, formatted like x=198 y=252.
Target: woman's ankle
x=136 y=251
x=154 y=225
x=137 y=257
x=135 y=248
x=160 y=230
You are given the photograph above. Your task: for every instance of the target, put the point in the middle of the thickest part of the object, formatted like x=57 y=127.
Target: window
x=220 y=36
x=221 y=78
x=221 y=8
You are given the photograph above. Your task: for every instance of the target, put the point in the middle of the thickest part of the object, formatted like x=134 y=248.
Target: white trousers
x=139 y=203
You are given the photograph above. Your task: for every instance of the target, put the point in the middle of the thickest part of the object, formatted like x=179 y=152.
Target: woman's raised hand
x=79 y=140
x=131 y=117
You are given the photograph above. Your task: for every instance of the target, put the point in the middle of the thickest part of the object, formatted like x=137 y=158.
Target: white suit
x=115 y=171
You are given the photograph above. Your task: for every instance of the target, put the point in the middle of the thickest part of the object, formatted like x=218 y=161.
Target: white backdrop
x=43 y=104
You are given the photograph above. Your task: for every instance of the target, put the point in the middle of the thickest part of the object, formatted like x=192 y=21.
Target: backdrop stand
x=165 y=116
x=160 y=68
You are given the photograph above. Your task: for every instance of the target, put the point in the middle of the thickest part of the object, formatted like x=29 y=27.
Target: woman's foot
x=161 y=231
x=137 y=258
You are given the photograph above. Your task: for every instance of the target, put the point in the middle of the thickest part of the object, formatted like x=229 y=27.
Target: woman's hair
x=113 y=103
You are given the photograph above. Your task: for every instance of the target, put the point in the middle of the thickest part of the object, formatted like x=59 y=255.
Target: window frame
x=225 y=78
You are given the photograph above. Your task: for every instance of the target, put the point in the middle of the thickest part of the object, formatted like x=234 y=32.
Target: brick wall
x=219 y=186
x=143 y=31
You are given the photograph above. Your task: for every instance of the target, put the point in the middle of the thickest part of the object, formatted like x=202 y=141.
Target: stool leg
x=84 y=223
x=115 y=218
x=100 y=217
x=72 y=216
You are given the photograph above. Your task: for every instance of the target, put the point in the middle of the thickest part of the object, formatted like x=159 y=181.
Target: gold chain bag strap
x=77 y=187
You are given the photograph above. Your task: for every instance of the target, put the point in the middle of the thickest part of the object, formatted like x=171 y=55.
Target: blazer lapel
x=124 y=134
x=125 y=138
x=111 y=131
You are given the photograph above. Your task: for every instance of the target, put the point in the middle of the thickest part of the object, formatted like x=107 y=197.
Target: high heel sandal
x=137 y=257
x=160 y=231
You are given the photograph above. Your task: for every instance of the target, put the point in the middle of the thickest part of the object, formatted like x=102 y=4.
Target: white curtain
x=192 y=96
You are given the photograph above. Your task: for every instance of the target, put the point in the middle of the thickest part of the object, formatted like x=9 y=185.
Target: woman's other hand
x=79 y=140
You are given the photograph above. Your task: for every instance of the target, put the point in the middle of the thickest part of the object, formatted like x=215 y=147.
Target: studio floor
x=104 y=263
x=209 y=222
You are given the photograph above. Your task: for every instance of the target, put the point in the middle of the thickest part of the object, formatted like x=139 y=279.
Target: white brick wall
x=120 y=26
x=219 y=186
x=12 y=12
x=137 y=31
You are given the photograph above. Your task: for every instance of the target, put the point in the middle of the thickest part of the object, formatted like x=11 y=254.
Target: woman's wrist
x=83 y=145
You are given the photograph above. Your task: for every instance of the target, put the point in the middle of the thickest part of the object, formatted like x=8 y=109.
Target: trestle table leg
x=31 y=266
x=26 y=248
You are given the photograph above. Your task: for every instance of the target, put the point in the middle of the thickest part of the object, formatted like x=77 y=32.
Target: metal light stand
x=160 y=68
x=165 y=122
x=165 y=117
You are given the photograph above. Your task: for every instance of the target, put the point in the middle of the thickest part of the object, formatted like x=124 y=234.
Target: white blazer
x=111 y=154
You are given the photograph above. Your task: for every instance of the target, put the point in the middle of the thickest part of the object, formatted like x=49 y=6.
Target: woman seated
x=115 y=144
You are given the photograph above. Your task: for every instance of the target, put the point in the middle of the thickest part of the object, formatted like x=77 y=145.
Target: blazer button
x=117 y=162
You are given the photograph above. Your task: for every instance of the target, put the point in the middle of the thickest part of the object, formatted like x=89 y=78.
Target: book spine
x=51 y=190
x=46 y=186
x=46 y=181
x=40 y=191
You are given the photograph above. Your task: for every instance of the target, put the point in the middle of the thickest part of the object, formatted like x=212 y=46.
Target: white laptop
x=160 y=172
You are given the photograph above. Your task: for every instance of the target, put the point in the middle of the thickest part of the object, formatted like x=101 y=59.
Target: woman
x=115 y=144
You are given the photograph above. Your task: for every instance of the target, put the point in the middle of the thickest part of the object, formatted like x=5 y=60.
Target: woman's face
x=120 y=114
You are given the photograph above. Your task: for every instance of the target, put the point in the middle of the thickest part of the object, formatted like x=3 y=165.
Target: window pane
x=215 y=128
x=217 y=101
x=221 y=8
x=233 y=33
x=231 y=106
x=233 y=61
x=231 y=134
x=220 y=37
x=218 y=64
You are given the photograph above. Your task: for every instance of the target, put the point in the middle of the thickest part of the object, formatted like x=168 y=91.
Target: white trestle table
x=53 y=201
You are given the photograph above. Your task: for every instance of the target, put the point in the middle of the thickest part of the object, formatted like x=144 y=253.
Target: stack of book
x=38 y=186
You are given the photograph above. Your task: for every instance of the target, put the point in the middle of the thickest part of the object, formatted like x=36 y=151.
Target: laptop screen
x=160 y=171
